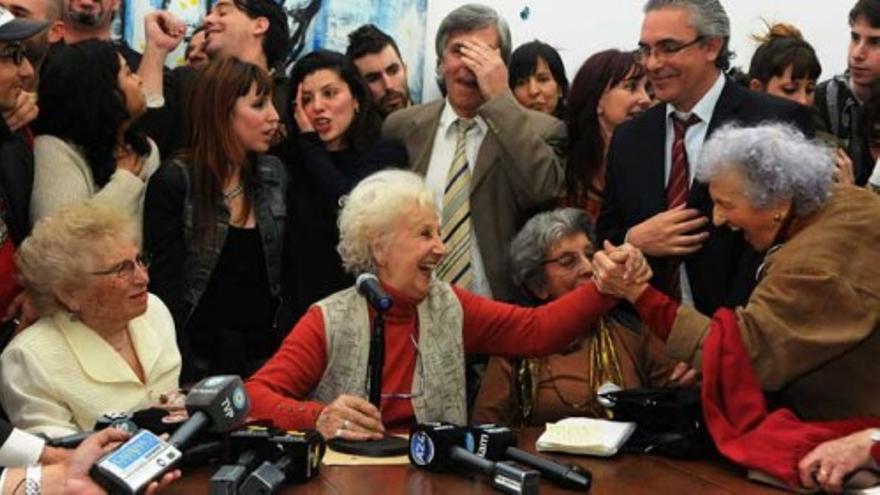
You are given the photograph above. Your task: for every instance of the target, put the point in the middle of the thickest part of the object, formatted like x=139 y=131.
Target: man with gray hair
x=489 y=161
x=650 y=198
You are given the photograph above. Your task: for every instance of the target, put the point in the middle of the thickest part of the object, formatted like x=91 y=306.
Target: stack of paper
x=585 y=436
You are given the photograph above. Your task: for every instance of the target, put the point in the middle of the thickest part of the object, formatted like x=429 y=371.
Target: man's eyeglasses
x=125 y=269
x=420 y=370
x=569 y=260
x=14 y=51
x=664 y=49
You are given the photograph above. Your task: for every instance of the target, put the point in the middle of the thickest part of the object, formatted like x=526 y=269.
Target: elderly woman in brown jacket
x=811 y=324
x=550 y=257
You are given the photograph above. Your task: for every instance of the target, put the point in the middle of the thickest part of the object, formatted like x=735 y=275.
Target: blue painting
x=313 y=24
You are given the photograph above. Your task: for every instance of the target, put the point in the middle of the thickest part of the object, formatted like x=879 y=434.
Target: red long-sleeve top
x=279 y=389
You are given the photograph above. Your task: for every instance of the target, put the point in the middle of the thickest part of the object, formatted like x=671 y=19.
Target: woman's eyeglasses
x=125 y=269
x=571 y=259
x=420 y=370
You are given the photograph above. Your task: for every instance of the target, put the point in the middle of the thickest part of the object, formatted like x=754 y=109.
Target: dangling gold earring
x=777 y=217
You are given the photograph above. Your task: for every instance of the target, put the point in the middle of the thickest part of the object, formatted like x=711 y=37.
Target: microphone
x=439 y=447
x=107 y=420
x=217 y=403
x=368 y=286
x=246 y=448
x=301 y=454
x=498 y=442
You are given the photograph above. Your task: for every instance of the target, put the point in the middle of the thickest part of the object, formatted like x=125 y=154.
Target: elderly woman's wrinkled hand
x=827 y=465
x=636 y=268
x=621 y=271
x=350 y=418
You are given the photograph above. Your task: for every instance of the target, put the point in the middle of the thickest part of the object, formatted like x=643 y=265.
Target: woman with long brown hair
x=214 y=221
x=607 y=90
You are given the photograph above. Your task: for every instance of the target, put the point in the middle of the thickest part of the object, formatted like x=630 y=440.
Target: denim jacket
x=271 y=211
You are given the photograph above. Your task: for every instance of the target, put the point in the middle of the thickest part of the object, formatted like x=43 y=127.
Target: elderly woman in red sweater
x=389 y=226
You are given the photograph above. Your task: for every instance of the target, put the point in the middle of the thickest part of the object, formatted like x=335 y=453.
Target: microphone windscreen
x=430 y=445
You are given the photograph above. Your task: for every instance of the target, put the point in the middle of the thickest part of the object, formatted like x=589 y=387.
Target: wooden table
x=624 y=474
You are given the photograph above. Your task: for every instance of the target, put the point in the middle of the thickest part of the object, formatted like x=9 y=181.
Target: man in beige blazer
x=514 y=154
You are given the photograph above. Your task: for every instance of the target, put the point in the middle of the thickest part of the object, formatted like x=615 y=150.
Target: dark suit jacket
x=518 y=172
x=722 y=273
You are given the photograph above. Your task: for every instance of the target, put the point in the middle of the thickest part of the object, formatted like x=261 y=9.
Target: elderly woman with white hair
x=810 y=327
x=103 y=344
x=389 y=226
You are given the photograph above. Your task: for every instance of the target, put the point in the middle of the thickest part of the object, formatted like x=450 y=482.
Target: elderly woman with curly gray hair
x=389 y=225
x=103 y=344
x=810 y=327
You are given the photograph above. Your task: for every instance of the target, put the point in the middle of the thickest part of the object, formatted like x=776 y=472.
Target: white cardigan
x=58 y=376
x=62 y=176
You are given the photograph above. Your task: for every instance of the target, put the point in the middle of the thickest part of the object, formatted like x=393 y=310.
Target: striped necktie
x=456 y=266
x=677 y=190
x=678 y=187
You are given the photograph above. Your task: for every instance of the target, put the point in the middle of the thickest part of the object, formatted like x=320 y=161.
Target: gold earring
x=777 y=217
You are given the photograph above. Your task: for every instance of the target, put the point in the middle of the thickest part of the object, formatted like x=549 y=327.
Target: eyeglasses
x=420 y=370
x=569 y=260
x=664 y=49
x=15 y=52
x=125 y=269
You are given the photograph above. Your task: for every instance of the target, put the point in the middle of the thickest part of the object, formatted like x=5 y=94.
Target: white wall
x=579 y=28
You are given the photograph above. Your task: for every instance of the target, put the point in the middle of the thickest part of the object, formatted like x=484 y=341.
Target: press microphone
x=247 y=447
x=217 y=403
x=116 y=420
x=368 y=286
x=499 y=442
x=441 y=447
x=301 y=454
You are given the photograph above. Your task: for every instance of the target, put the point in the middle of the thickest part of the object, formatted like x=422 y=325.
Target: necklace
x=233 y=193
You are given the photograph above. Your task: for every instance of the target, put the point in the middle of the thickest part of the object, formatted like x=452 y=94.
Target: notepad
x=587 y=436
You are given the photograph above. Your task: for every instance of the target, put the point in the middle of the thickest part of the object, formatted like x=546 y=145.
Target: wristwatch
x=33 y=480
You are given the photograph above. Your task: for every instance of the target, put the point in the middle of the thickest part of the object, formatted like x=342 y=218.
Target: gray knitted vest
x=440 y=346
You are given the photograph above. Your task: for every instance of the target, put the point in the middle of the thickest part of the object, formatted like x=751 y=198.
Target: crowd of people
x=158 y=225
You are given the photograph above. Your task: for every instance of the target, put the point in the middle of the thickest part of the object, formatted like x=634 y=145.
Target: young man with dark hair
x=839 y=100
x=254 y=31
x=377 y=58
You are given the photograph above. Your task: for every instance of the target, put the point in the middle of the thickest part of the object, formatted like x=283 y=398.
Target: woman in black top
x=337 y=145
x=214 y=222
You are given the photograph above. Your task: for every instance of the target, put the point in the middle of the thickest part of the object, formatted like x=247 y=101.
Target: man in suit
x=649 y=198
x=507 y=155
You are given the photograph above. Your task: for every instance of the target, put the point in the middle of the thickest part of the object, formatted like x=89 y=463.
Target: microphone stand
x=389 y=445
x=377 y=359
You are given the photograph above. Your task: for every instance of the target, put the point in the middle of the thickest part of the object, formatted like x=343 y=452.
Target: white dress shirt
x=438 y=168
x=693 y=144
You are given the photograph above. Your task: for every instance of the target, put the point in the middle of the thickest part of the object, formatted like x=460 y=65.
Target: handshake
x=621 y=271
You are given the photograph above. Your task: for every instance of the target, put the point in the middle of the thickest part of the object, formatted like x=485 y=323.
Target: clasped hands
x=621 y=271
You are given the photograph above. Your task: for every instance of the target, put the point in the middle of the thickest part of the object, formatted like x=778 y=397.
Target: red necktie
x=677 y=190
x=679 y=178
